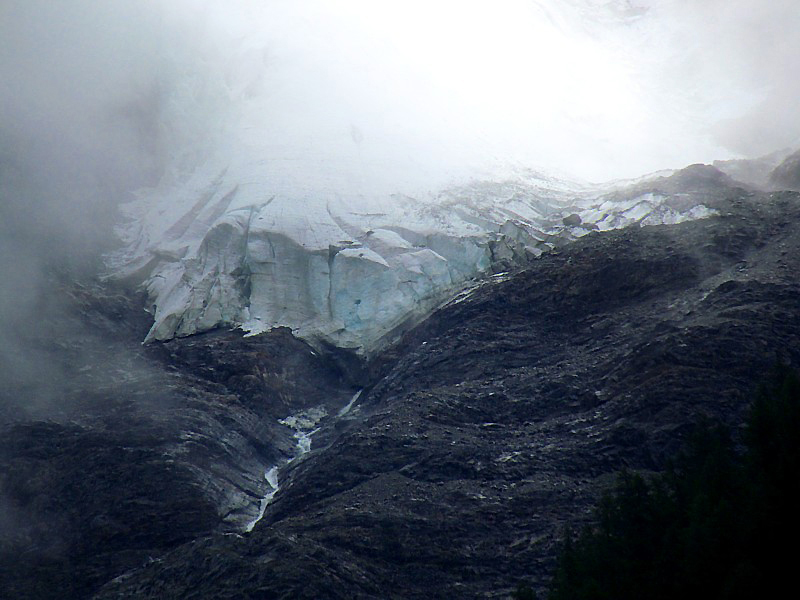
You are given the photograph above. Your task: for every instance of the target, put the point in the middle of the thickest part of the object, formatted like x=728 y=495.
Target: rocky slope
x=472 y=443
x=786 y=176
x=140 y=449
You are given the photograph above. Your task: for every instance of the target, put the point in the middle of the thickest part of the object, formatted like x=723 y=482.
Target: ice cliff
x=223 y=250
x=334 y=205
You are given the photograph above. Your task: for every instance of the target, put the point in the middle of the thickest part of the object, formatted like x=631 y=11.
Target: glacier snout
x=350 y=271
x=347 y=279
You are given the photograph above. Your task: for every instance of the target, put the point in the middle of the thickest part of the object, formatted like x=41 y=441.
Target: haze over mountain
x=355 y=105
x=342 y=179
x=595 y=88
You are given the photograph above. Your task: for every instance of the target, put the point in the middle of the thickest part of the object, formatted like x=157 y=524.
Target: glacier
x=225 y=250
x=293 y=198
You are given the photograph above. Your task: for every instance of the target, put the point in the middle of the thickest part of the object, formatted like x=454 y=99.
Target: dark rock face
x=786 y=175
x=752 y=171
x=146 y=448
x=88 y=502
x=477 y=438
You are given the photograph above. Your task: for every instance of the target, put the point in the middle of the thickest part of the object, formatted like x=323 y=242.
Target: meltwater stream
x=305 y=424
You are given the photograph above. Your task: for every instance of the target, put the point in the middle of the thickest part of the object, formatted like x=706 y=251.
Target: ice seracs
x=348 y=269
x=291 y=197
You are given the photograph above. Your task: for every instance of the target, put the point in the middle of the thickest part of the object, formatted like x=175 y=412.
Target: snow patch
x=306 y=419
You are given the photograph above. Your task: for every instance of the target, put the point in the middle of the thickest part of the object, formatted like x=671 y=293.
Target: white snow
x=272 y=477
x=305 y=420
x=304 y=441
x=305 y=425
x=241 y=243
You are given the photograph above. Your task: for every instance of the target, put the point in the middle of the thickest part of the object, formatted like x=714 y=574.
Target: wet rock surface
x=786 y=175
x=487 y=429
x=140 y=449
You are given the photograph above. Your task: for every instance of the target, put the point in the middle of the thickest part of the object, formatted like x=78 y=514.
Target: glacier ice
x=291 y=197
x=224 y=250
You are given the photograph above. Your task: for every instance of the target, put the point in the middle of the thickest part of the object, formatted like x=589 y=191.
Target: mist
x=416 y=93
x=101 y=99
x=104 y=100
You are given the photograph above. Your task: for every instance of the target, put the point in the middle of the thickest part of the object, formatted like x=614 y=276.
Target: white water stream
x=305 y=425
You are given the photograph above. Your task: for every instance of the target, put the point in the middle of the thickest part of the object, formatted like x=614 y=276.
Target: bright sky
x=599 y=89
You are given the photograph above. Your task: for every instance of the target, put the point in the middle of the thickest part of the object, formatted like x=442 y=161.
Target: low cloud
x=100 y=99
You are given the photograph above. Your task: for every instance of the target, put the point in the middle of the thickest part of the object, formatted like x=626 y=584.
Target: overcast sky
x=599 y=89
x=101 y=98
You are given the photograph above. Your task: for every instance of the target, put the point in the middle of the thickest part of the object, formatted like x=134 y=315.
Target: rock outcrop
x=786 y=176
x=141 y=449
x=229 y=466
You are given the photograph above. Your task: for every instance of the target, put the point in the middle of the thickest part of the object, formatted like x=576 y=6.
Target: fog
x=596 y=89
x=101 y=99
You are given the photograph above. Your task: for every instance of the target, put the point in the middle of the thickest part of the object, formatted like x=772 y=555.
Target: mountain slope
x=502 y=417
